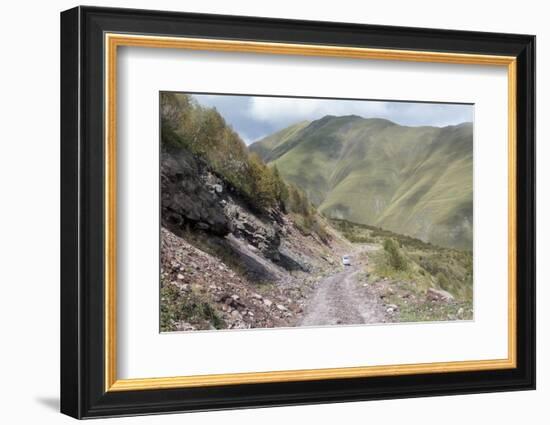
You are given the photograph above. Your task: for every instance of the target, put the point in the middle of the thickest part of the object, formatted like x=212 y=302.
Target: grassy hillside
x=411 y=180
x=270 y=143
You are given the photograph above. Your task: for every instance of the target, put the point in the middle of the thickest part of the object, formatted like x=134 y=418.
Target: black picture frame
x=83 y=392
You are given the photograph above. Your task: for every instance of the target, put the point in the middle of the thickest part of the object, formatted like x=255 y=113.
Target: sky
x=255 y=117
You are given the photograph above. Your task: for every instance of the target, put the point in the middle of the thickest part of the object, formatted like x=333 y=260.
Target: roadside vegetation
x=405 y=268
x=191 y=307
x=408 y=258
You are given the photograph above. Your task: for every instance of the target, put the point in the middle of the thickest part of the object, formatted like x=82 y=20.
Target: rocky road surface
x=339 y=299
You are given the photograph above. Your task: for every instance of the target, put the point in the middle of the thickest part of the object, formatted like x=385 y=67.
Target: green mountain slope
x=270 y=143
x=411 y=180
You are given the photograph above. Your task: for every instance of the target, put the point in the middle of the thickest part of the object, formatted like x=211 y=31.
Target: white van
x=346 y=260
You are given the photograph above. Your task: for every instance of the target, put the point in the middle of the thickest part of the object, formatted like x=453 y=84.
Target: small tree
x=396 y=259
x=281 y=189
x=264 y=184
x=442 y=281
x=298 y=202
x=210 y=131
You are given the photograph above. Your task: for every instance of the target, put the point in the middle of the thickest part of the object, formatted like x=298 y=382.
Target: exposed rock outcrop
x=195 y=199
x=187 y=201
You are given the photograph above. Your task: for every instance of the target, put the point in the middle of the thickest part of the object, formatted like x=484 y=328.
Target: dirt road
x=340 y=300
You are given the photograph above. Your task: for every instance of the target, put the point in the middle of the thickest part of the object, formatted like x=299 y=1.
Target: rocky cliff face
x=187 y=200
x=196 y=202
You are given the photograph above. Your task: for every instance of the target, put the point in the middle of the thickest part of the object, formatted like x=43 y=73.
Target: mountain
x=416 y=181
x=268 y=146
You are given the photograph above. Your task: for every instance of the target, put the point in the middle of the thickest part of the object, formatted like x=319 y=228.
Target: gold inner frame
x=113 y=41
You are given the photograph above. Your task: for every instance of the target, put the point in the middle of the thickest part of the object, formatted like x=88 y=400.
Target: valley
x=253 y=237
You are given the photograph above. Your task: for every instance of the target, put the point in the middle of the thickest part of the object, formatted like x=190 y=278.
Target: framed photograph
x=261 y=212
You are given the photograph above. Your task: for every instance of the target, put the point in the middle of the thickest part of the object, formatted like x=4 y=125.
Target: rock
x=180 y=276
x=258 y=237
x=226 y=300
x=281 y=307
x=439 y=295
x=290 y=260
x=184 y=326
x=257 y=267
x=392 y=306
x=236 y=314
x=389 y=310
x=267 y=302
x=257 y=296
x=185 y=198
x=202 y=226
x=460 y=311
x=235 y=297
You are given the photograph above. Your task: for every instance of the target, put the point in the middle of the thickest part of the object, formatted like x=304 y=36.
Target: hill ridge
x=411 y=180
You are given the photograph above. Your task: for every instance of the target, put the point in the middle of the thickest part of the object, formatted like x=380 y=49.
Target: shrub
x=204 y=132
x=263 y=182
x=321 y=230
x=395 y=257
x=281 y=189
x=176 y=306
x=442 y=281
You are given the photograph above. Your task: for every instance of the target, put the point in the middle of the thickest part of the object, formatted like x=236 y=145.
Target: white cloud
x=253 y=117
x=287 y=110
